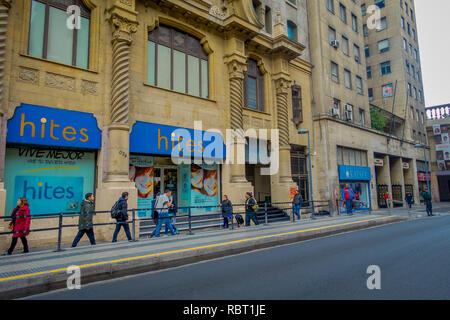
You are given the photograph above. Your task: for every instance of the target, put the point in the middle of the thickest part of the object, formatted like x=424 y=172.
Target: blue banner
x=353 y=173
x=39 y=125
x=159 y=139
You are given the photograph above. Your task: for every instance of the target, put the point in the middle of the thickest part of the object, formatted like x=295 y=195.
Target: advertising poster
x=53 y=180
x=388 y=90
x=444 y=128
x=444 y=137
x=204 y=187
x=441 y=165
x=436 y=129
x=141 y=173
x=446 y=155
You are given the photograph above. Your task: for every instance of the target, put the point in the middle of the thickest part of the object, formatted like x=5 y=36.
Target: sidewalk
x=22 y=275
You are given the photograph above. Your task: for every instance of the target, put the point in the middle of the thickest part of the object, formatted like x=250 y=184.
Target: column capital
x=237 y=65
x=6 y=3
x=123 y=28
x=282 y=85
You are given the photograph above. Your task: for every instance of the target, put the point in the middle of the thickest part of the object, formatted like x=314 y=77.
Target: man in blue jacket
x=122 y=217
x=347 y=195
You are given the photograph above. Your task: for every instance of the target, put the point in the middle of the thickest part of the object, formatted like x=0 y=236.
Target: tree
x=378 y=122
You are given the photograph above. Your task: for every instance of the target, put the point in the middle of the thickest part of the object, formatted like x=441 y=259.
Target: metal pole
x=426 y=168
x=310 y=179
x=232 y=220
x=189 y=220
x=265 y=213
x=134 y=224
x=60 y=232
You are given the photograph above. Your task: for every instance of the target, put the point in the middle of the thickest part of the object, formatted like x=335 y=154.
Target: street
x=413 y=258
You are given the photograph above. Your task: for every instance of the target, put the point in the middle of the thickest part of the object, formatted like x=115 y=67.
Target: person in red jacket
x=20 y=223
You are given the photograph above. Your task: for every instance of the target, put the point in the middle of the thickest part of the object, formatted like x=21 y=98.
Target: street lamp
x=426 y=163
x=310 y=172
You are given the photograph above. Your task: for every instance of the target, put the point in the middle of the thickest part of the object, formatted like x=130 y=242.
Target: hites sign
x=39 y=125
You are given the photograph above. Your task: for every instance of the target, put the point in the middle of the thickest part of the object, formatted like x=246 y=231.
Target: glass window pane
x=151 y=63
x=60 y=38
x=252 y=102
x=83 y=44
x=179 y=71
x=37 y=29
x=205 y=89
x=164 y=71
x=164 y=35
x=193 y=76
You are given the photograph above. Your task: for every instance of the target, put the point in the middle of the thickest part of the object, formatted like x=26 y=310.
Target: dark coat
x=227 y=208
x=173 y=210
x=123 y=207
x=22 y=222
x=249 y=203
x=409 y=199
x=86 y=213
x=298 y=200
x=427 y=198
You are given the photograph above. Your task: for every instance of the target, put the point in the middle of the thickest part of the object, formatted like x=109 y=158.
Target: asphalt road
x=414 y=259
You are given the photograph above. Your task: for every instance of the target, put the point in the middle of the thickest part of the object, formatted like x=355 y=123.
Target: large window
x=292 y=30
x=385 y=67
x=351 y=157
x=297 y=110
x=343 y=12
x=359 y=86
x=345 y=46
x=334 y=72
x=254 y=86
x=49 y=37
x=347 y=79
x=177 y=61
x=383 y=46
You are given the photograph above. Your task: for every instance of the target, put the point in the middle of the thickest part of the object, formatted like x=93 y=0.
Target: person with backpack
x=172 y=214
x=119 y=212
x=297 y=204
x=250 y=209
x=227 y=211
x=162 y=205
x=20 y=225
x=347 y=195
x=85 y=225
x=154 y=214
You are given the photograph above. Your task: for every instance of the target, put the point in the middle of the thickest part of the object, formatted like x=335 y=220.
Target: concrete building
x=438 y=124
x=348 y=145
x=95 y=107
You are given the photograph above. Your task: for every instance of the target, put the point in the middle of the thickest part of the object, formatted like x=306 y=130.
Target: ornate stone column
x=118 y=148
x=282 y=86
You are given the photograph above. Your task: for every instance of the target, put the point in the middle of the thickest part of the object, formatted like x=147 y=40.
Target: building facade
x=101 y=106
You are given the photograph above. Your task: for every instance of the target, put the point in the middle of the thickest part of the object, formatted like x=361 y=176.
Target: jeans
x=297 y=210
x=172 y=222
x=14 y=242
x=166 y=223
x=429 y=209
x=250 y=216
x=225 y=222
x=126 y=227
x=349 y=206
x=90 y=234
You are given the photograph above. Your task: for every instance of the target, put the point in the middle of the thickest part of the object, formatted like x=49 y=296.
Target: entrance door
x=382 y=189
x=397 y=195
x=165 y=178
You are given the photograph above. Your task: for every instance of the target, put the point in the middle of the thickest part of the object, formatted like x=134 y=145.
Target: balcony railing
x=438 y=112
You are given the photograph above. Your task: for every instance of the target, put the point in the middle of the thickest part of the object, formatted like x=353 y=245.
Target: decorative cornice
x=6 y=3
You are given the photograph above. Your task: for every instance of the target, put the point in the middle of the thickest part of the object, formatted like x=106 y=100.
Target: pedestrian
x=388 y=201
x=20 y=225
x=409 y=200
x=172 y=213
x=427 y=199
x=162 y=205
x=347 y=195
x=85 y=225
x=227 y=211
x=122 y=217
x=154 y=214
x=250 y=209
x=297 y=204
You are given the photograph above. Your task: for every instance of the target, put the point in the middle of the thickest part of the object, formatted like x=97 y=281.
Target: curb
x=57 y=279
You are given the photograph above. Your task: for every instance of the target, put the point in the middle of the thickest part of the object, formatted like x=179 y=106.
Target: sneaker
x=164 y=236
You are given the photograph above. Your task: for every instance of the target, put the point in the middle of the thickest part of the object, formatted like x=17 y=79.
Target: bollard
x=312 y=211
x=190 y=222
x=265 y=213
x=134 y=224
x=330 y=208
x=60 y=232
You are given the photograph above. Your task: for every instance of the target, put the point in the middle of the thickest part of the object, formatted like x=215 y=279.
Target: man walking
x=297 y=203
x=427 y=199
x=85 y=225
x=162 y=205
x=409 y=200
x=122 y=217
x=154 y=214
x=250 y=209
x=347 y=195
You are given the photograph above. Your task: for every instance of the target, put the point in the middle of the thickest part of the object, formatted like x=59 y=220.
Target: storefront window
x=361 y=190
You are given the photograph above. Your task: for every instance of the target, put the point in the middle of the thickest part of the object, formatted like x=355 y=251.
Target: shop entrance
x=165 y=178
x=260 y=183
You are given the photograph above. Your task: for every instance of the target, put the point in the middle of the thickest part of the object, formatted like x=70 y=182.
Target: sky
x=433 y=28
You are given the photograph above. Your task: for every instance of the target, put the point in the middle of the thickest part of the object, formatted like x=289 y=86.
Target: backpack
x=115 y=210
x=255 y=206
x=239 y=219
x=347 y=194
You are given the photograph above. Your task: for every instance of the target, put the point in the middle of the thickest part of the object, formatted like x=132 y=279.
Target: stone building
x=92 y=105
x=347 y=146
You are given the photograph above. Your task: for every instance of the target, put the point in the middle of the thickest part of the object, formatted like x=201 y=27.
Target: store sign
x=353 y=173
x=388 y=90
x=405 y=165
x=39 y=125
x=378 y=162
x=422 y=176
x=158 y=139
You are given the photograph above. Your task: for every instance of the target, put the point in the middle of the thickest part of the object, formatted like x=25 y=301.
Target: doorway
x=165 y=178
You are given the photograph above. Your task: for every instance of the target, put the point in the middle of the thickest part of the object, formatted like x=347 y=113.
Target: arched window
x=51 y=38
x=254 y=86
x=292 y=30
x=177 y=61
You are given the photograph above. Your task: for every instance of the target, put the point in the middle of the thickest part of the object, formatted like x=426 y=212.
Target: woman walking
x=20 y=225
x=227 y=211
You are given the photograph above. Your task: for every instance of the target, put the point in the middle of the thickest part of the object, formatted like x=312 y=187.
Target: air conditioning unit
x=335 y=44
x=357 y=59
x=334 y=111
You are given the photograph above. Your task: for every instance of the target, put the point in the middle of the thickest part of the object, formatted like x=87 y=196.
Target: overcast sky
x=433 y=27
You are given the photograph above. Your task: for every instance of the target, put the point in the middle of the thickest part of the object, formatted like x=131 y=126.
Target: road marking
x=189 y=249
